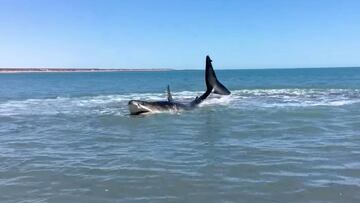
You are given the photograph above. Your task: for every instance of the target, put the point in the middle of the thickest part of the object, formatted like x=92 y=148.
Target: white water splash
x=247 y=98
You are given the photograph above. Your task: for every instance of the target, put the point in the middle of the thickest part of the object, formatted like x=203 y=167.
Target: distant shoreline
x=75 y=70
x=95 y=70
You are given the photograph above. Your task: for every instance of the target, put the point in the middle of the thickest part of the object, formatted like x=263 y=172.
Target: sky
x=179 y=33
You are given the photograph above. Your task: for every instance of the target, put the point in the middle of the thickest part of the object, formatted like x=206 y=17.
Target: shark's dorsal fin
x=169 y=97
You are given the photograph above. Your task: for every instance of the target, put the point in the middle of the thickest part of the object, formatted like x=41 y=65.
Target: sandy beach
x=70 y=70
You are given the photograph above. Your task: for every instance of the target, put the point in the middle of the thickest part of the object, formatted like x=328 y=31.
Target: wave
x=297 y=97
x=239 y=99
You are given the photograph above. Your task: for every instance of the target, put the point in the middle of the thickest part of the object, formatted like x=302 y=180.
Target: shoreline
x=95 y=70
x=75 y=70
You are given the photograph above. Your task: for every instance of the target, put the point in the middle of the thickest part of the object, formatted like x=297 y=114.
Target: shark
x=137 y=107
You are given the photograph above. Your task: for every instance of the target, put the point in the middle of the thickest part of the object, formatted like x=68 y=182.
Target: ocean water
x=281 y=136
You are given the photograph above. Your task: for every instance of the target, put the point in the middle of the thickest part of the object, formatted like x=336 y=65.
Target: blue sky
x=179 y=33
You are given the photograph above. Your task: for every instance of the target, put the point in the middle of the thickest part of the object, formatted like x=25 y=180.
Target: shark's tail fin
x=212 y=82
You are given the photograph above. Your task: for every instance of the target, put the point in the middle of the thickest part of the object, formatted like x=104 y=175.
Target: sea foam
x=246 y=98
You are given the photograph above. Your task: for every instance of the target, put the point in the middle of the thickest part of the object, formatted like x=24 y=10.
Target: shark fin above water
x=169 y=96
x=212 y=84
x=211 y=80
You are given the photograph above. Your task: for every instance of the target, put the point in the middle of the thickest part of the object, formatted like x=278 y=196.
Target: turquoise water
x=282 y=136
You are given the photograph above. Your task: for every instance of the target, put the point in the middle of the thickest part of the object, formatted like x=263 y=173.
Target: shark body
x=137 y=107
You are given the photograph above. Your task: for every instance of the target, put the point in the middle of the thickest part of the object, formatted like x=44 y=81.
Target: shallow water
x=282 y=136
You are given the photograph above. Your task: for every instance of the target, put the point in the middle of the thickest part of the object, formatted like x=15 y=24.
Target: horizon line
x=42 y=69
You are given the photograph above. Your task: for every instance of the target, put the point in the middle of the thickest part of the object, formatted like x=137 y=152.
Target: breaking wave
x=239 y=99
